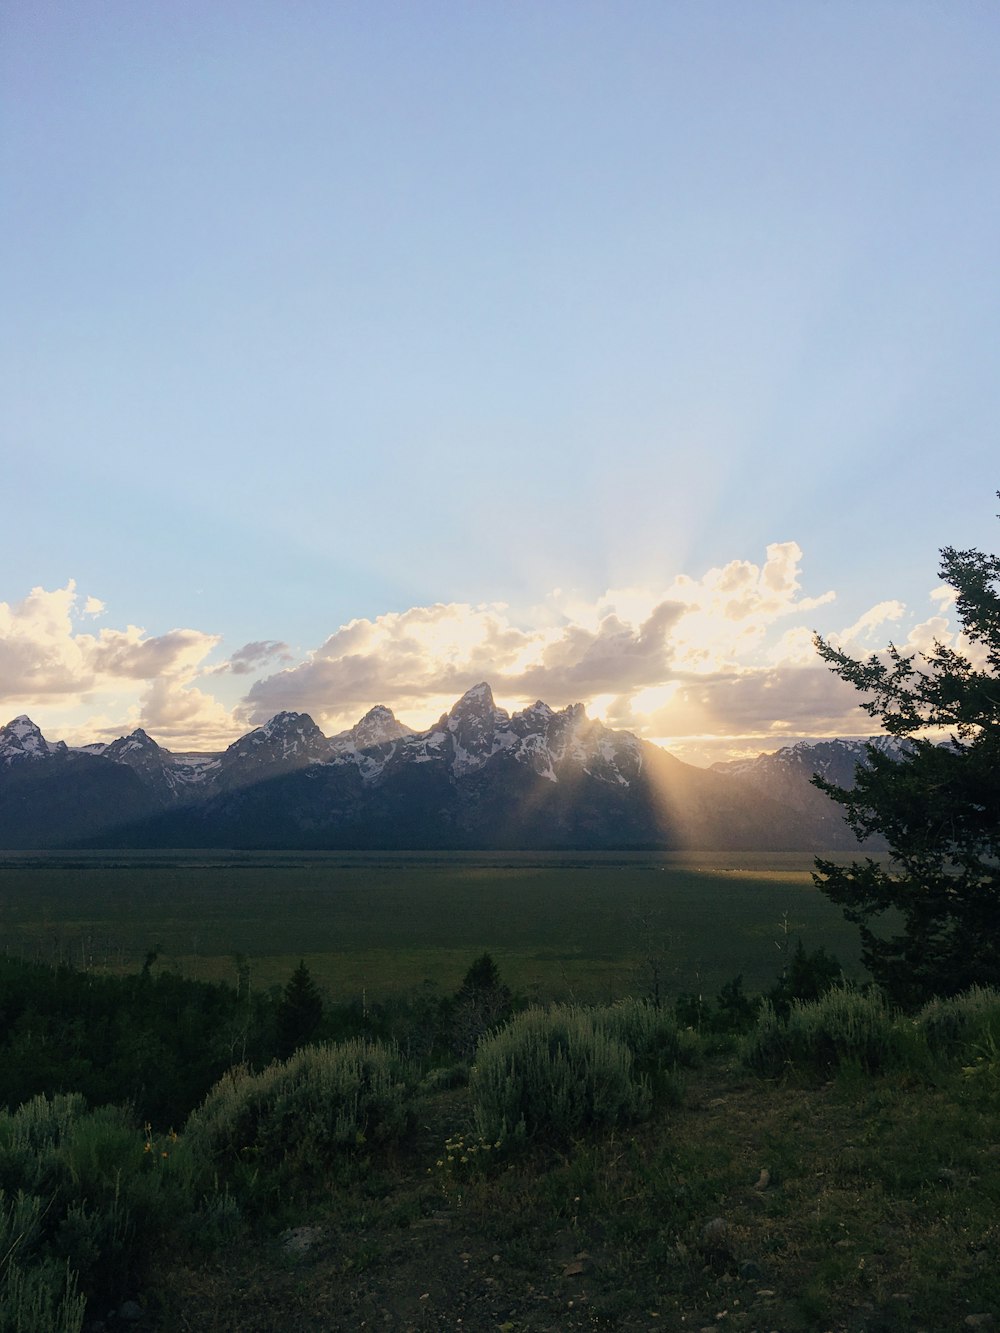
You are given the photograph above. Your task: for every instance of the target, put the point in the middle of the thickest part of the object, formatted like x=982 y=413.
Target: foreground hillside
x=761 y=1163
x=848 y=1205
x=480 y=778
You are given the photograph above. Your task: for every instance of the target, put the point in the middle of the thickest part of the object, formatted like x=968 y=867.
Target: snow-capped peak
x=22 y=739
x=286 y=739
x=135 y=743
x=379 y=726
x=282 y=723
x=479 y=699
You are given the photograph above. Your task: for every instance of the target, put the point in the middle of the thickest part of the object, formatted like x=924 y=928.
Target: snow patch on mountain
x=21 y=741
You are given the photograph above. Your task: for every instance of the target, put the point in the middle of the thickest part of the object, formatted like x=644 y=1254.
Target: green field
x=583 y=926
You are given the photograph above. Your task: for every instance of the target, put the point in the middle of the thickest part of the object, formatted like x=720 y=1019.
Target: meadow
x=585 y=927
x=835 y=1170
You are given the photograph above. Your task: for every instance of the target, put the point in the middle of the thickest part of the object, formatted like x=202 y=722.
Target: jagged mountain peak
x=286 y=740
x=472 y=725
x=479 y=699
x=23 y=729
x=379 y=726
x=539 y=707
x=136 y=741
x=22 y=739
x=141 y=737
x=284 y=722
x=479 y=778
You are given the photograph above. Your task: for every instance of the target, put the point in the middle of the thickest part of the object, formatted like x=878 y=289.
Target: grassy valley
x=494 y=1163
x=585 y=926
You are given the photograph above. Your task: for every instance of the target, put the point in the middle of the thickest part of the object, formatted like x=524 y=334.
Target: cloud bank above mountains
x=711 y=667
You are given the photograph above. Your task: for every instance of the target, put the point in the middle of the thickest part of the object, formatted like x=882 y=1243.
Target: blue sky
x=354 y=353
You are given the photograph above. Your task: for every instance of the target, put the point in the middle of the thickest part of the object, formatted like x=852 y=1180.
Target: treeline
x=157 y=1041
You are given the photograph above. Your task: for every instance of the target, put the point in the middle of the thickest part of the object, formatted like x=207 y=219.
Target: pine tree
x=299 y=1013
x=483 y=1000
x=937 y=803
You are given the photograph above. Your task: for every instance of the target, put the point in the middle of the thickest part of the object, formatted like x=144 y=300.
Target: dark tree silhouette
x=299 y=1013
x=937 y=804
x=482 y=1001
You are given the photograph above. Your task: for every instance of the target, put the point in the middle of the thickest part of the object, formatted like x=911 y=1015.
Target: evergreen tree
x=299 y=1013
x=937 y=803
x=806 y=976
x=483 y=1000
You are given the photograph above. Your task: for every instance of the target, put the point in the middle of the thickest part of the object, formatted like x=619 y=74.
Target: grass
x=877 y=1212
x=583 y=927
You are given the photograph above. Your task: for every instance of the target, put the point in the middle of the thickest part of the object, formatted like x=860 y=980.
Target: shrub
x=85 y=1197
x=305 y=1112
x=553 y=1074
x=961 y=1024
x=656 y=1040
x=39 y=1299
x=30 y=1137
x=843 y=1026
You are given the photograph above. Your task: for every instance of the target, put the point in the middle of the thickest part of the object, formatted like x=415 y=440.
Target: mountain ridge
x=479 y=777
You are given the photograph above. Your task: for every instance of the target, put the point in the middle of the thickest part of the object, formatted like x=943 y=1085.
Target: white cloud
x=724 y=660
x=668 y=660
x=129 y=678
x=863 y=629
x=923 y=637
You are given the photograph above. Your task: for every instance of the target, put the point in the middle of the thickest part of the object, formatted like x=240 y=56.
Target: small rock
x=574 y=1269
x=979 y=1321
x=300 y=1239
x=750 y=1272
x=764 y=1179
x=130 y=1312
x=715 y=1232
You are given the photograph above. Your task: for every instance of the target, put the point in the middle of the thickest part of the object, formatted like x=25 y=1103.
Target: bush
x=551 y=1075
x=960 y=1025
x=85 y=1199
x=39 y=1299
x=656 y=1040
x=306 y=1112
x=844 y=1026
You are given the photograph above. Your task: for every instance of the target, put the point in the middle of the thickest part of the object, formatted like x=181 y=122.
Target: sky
x=356 y=353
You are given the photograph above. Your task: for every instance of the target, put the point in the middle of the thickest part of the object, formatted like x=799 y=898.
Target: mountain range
x=480 y=778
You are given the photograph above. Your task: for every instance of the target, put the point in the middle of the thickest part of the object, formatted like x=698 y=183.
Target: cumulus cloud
x=686 y=657
x=863 y=629
x=944 y=595
x=724 y=662
x=177 y=713
x=47 y=661
x=417 y=660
